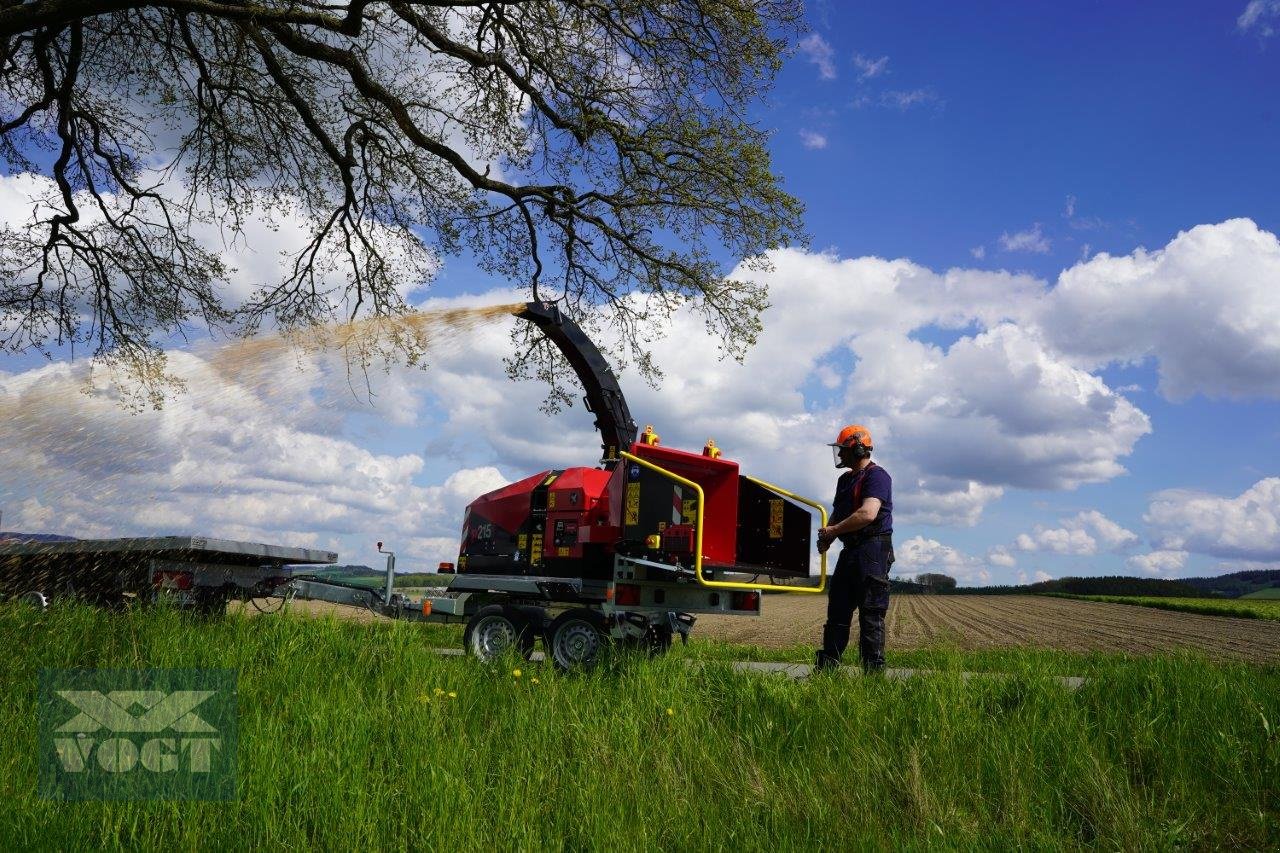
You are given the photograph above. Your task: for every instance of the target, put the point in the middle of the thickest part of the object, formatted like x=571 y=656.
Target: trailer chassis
x=644 y=605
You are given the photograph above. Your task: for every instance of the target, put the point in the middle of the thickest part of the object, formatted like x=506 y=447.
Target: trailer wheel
x=35 y=598
x=577 y=639
x=496 y=629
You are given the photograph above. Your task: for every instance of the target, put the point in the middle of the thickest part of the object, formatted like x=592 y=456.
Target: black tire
x=495 y=629
x=577 y=639
x=209 y=602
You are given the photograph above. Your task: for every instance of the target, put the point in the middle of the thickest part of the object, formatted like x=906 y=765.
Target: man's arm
x=858 y=519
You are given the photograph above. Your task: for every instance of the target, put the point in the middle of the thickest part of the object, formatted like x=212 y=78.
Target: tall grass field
x=358 y=736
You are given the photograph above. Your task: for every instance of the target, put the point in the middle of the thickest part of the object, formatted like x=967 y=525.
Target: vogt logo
x=138 y=734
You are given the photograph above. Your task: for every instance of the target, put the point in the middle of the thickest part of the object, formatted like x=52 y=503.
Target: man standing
x=862 y=519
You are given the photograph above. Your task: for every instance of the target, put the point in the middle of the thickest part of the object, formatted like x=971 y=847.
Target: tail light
x=445 y=568
x=173 y=580
x=627 y=594
x=745 y=601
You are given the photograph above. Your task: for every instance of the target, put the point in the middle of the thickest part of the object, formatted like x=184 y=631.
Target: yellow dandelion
x=439 y=692
x=422 y=697
x=535 y=680
x=453 y=694
x=671 y=712
x=516 y=673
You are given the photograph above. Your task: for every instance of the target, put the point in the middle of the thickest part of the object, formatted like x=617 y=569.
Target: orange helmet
x=855 y=437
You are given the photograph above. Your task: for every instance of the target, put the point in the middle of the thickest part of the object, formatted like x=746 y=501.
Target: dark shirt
x=871 y=482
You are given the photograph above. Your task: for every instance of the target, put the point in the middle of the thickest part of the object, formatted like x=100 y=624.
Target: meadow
x=357 y=733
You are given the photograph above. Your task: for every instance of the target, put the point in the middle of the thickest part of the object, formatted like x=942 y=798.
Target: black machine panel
x=773 y=532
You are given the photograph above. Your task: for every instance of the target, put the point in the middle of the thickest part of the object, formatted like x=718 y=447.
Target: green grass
x=1271 y=592
x=344 y=742
x=1247 y=608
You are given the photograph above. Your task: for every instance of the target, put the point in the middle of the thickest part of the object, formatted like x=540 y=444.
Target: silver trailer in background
x=195 y=571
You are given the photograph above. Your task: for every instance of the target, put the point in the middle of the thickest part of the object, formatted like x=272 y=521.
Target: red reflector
x=628 y=593
x=445 y=567
x=745 y=601
x=173 y=580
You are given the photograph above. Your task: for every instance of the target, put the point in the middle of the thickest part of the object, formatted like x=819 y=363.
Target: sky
x=1043 y=270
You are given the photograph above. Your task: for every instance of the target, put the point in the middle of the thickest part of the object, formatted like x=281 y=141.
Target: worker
x=862 y=519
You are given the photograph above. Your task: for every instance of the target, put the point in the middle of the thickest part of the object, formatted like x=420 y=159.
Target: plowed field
x=1003 y=621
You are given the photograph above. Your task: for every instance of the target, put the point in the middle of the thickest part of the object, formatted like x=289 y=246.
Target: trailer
x=194 y=572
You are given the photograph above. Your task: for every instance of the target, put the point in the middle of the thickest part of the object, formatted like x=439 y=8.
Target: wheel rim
x=492 y=636
x=576 y=643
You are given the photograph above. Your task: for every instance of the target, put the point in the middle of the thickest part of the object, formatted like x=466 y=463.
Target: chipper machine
x=627 y=552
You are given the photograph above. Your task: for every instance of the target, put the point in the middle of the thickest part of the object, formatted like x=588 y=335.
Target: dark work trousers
x=860 y=581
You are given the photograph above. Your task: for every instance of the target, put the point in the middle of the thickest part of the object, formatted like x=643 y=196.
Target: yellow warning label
x=775 y=519
x=522 y=541
x=551 y=478
x=689 y=511
x=535 y=556
x=562 y=552
x=662 y=525
x=633 y=505
x=551 y=500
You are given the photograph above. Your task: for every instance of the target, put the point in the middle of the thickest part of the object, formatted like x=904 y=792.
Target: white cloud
x=1245 y=527
x=1031 y=240
x=1259 y=16
x=812 y=139
x=1077 y=535
x=905 y=99
x=978 y=252
x=919 y=554
x=869 y=68
x=1043 y=576
x=819 y=52
x=1000 y=556
x=1057 y=540
x=1204 y=307
x=1069 y=210
x=1158 y=562
x=1001 y=407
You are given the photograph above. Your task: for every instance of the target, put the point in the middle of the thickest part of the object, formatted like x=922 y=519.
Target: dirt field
x=1001 y=621
x=983 y=622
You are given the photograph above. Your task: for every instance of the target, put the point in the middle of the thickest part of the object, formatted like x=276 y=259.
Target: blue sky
x=1108 y=125
x=991 y=140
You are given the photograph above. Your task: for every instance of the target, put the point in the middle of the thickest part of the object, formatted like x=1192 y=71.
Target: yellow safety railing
x=697 y=532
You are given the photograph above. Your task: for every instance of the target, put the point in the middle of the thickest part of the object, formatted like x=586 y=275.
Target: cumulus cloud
x=1030 y=240
x=816 y=49
x=1245 y=527
x=1007 y=404
x=1000 y=556
x=1078 y=535
x=1204 y=307
x=1158 y=562
x=812 y=139
x=919 y=554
